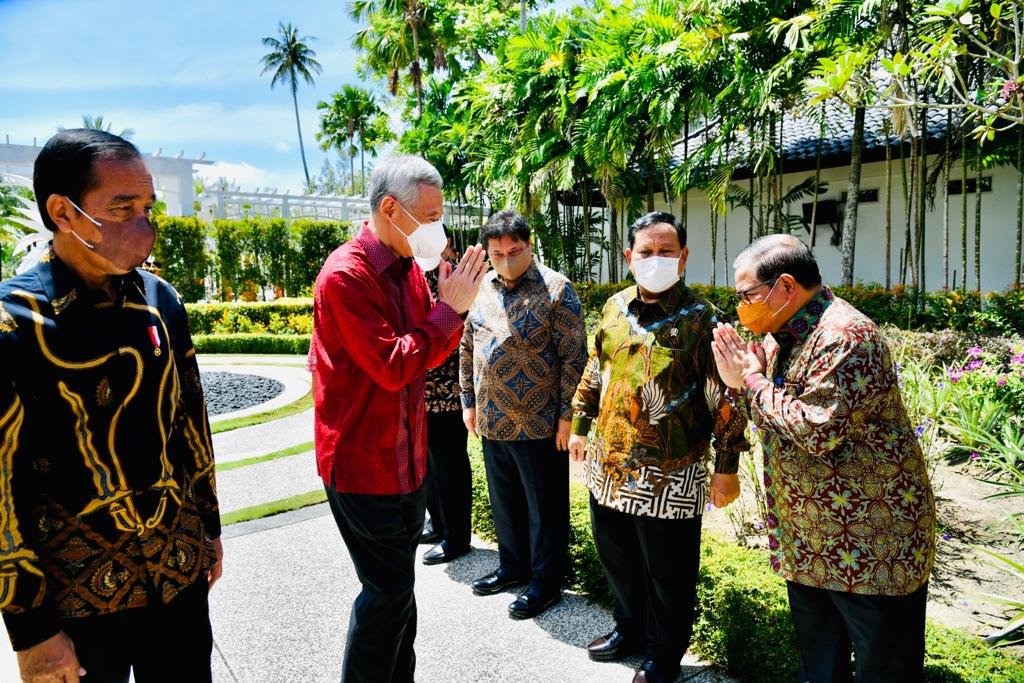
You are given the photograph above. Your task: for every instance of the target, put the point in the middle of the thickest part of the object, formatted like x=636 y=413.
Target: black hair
x=653 y=218
x=65 y=164
x=505 y=223
x=773 y=255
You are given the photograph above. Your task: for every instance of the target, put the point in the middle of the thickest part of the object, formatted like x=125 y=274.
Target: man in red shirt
x=376 y=330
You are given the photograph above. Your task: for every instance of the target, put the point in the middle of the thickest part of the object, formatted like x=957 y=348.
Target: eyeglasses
x=743 y=296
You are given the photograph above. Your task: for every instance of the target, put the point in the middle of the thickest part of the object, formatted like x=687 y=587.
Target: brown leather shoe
x=612 y=647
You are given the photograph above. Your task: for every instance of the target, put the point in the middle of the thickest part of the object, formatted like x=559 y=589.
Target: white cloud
x=282 y=147
x=249 y=177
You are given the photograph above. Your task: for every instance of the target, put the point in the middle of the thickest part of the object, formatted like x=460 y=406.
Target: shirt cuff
x=753 y=382
x=445 y=317
x=580 y=425
x=468 y=401
x=31 y=627
x=211 y=522
x=726 y=463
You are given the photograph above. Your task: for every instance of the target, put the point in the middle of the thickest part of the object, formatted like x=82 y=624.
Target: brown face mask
x=126 y=244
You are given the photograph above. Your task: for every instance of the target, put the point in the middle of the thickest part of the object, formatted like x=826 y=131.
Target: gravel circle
x=229 y=391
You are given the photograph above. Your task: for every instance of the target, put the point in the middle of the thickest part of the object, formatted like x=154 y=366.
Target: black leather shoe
x=652 y=672
x=612 y=647
x=495 y=582
x=441 y=553
x=530 y=604
x=429 y=535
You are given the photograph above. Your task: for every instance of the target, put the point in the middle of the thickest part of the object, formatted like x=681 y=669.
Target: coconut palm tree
x=290 y=59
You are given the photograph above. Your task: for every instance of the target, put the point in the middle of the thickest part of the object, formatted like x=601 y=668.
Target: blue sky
x=185 y=75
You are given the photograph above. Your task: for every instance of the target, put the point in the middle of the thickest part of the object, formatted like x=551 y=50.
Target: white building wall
x=999 y=210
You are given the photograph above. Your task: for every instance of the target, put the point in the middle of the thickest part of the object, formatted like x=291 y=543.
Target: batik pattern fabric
x=850 y=506
x=522 y=353
x=652 y=394
x=442 y=389
x=107 y=489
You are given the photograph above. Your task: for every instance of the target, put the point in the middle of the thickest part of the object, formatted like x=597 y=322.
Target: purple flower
x=919 y=429
x=974 y=351
x=1001 y=381
x=708 y=507
x=955 y=374
x=1009 y=87
x=974 y=364
x=975 y=456
x=1017 y=360
x=946 y=537
x=753 y=429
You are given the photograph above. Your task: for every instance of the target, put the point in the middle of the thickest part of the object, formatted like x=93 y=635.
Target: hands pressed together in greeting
x=735 y=358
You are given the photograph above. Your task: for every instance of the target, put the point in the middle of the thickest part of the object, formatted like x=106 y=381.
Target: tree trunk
x=352 y=164
x=302 y=149
x=613 y=240
x=362 y=161
x=852 y=193
x=685 y=194
x=922 y=210
x=416 y=72
x=780 y=220
x=977 y=223
x=963 y=209
x=1020 y=204
x=650 y=182
x=888 y=206
x=945 y=202
x=817 y=179
x=522 y=16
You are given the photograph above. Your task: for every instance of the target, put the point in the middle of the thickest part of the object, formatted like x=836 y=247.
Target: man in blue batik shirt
x=523 y=350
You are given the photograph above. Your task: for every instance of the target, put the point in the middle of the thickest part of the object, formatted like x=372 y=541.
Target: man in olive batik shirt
x=652 y=393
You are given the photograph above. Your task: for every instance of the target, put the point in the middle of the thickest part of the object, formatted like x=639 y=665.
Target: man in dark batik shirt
x=449 y=479
x=109 y=525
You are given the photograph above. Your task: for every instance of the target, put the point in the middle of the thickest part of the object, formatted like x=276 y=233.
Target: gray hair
x=400 y=177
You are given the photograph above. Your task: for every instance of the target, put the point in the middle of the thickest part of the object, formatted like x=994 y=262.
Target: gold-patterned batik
x=107 y=492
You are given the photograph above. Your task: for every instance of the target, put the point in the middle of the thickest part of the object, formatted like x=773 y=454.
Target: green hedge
x=180 y=250
x=252 y=343
x=945 y=311
x=743 y=623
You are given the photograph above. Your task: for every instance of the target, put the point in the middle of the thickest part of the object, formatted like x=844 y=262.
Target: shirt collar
x=668 y=302
x=65 y=288
x=381 y=257
x=532 y=273
x=800 y=326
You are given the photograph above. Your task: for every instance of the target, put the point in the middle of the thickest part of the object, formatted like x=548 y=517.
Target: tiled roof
x=800 y=139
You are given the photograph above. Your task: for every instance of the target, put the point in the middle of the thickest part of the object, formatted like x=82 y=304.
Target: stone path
x=280 y=612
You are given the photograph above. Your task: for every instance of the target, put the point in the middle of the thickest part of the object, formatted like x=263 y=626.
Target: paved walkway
x=280 y=613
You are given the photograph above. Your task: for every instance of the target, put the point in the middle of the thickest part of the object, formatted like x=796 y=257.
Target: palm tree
x=91 y=122
x=384 y=40
x=289 y=59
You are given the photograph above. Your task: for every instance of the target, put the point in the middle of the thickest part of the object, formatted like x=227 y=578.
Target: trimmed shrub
x=743 y=623
x=251 y=317
x=297 y=344
x=180 y=249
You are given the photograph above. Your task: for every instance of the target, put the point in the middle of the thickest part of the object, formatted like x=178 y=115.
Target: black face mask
x=126 y=244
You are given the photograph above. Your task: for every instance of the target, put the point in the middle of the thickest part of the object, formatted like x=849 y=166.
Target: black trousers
x=381 y=534
x=528 y=483
x=885 y=631
x=171 y=642
x=450 y=487
x=651 y=565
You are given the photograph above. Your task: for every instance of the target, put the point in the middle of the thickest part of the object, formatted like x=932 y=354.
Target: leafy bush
x=293 y=316
x=180 y=248
x=252 y=343
x=743 y=622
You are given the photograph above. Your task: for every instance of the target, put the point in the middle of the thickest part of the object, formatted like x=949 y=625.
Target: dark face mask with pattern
x=126 y=244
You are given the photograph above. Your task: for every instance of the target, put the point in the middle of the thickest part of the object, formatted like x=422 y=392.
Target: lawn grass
x=292 y=450
x=303 y=404
x=274 y=507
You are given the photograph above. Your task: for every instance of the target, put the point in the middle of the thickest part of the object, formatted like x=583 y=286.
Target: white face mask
x=427 y=243
x=656 y=273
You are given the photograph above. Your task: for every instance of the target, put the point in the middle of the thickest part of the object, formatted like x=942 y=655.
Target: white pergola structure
x=172 y=176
